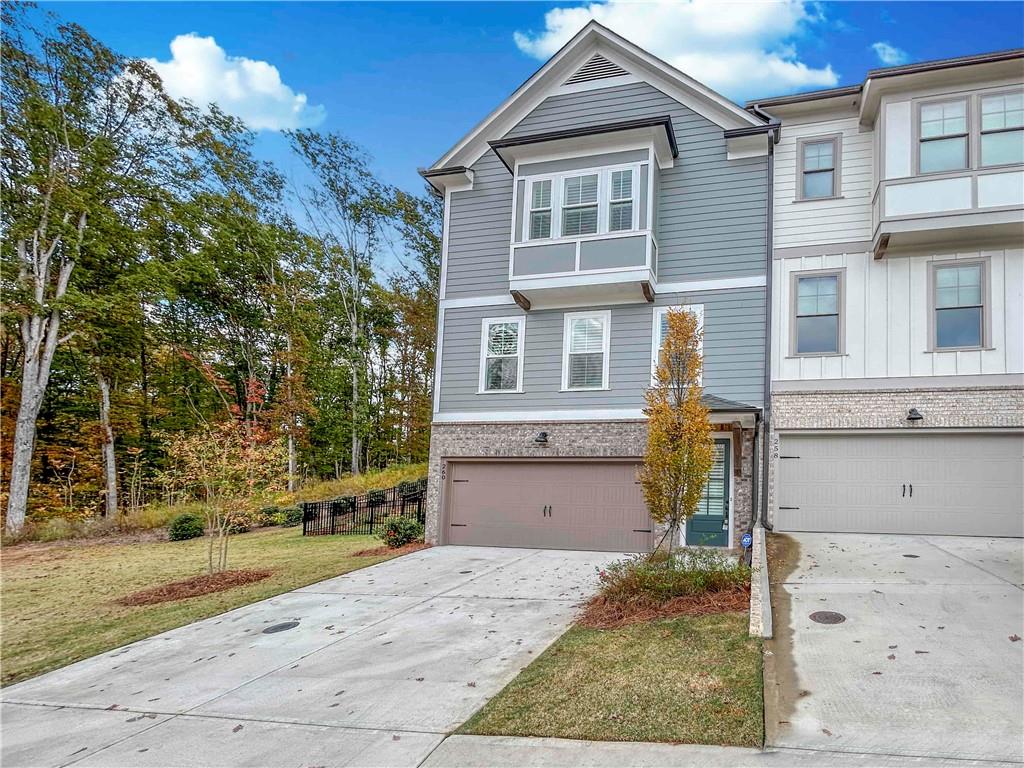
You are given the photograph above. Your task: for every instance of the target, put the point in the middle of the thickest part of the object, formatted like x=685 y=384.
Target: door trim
x=727 y=436
x=444 y=503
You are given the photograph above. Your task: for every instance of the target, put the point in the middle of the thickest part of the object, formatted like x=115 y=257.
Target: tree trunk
x=109 y=459
x=21 y=461
x=356 y=448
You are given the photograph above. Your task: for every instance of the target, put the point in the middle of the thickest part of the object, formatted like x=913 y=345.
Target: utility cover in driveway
x=924 y=483
x=547 y=504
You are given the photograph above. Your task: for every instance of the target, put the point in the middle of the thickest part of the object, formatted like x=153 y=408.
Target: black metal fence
x=364 y=514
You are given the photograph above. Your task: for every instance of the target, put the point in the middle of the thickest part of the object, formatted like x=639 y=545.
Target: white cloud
x=201 y=71
x=741 y=49
x=889 y=55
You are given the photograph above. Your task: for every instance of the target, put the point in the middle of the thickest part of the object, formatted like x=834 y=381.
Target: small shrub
x=188 y=525
x=290 y=516
x=399 y=531
x=239 y=524
x=660 y=577
x=267 y=516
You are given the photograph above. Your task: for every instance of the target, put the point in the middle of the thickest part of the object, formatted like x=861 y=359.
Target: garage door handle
x=458 y=525
x=641 y=530
x=789 y=507
x=904 y=490
x=911 y=490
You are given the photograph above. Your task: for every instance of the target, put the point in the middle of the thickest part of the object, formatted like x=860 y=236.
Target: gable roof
x=594 y=39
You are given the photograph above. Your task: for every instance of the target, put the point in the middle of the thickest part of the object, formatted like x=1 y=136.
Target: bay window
x=943 y=136
x=1002 y=129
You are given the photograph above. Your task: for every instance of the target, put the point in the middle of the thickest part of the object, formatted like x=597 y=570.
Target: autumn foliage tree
x=680 y=449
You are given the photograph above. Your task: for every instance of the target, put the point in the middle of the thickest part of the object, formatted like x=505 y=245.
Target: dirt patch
x=30 y=551
x=602 y=613
x=197 y=585
x=780 y=689
x=416 y=546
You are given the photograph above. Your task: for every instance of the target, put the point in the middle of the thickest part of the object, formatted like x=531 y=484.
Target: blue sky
x=407 y=80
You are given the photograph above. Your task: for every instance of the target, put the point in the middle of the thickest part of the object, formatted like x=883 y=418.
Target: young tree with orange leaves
x=680 y=449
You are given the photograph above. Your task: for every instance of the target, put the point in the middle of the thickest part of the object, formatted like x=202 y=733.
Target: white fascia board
x=549 y=79
x=501 y=300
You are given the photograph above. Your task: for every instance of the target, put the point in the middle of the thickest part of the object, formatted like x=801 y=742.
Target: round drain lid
x=282 y=627
x=827 y=617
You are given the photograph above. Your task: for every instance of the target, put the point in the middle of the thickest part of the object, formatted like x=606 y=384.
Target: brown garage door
x=547 y=504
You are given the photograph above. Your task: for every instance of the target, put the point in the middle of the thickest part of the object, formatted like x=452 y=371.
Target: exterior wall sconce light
x=914 y=415
x=541 y=438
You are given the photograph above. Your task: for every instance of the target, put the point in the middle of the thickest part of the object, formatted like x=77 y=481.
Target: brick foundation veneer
x=583 y=439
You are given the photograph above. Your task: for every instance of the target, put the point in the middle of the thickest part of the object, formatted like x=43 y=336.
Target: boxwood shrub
x=187 y=525
x=399 y=531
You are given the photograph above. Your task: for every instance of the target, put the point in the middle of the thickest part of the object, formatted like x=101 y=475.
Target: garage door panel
x=957 y=484
x=591 y=505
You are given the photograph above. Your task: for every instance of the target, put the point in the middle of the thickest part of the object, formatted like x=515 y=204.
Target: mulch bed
x=197 y=585
x=405 y=549
x=602 y=613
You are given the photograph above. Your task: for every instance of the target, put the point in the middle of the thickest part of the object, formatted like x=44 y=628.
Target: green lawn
x=58 y=600
x=692 y=679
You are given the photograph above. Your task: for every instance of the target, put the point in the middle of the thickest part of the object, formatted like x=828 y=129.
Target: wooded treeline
x=159 y=280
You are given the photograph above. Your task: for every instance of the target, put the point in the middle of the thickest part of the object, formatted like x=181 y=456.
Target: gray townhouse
x=606 y=189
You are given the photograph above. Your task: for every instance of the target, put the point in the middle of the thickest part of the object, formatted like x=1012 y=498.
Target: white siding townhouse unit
x=851 y=271
x=897 y=325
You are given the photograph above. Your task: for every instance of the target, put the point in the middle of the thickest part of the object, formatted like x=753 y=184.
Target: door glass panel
x=712 y=501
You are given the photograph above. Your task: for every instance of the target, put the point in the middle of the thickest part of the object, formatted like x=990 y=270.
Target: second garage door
x=547 y=504
x=955 y=484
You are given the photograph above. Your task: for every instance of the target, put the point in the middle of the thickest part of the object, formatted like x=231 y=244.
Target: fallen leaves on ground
x=602 y=613
x=405 y=549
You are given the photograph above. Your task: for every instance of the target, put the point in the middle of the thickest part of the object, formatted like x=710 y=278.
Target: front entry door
x=709 y=527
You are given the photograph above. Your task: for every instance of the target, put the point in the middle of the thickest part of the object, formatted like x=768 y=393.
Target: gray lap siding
x=710 y=210
x=733 y=354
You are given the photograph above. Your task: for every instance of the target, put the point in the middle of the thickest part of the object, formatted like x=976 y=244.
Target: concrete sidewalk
x=514 y=752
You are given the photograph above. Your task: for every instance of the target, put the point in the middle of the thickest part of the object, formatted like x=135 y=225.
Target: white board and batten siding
x=817 y=222
x=886 y=319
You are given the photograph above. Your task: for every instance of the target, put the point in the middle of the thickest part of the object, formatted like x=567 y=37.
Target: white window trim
x=603 y=202
x=530 y=210
x=485 y=323
x=605 y=316
x=659 y=312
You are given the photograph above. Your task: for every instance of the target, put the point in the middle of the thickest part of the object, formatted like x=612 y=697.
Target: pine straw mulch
x=405 y=549
x=193 y=587
x=603 y=613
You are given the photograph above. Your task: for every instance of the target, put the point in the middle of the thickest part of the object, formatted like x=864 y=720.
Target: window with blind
x=585 y=350
x=583 y=203
x=716 y=490
x=501 y=358
x=540 y=209
x=661 y=328
x=579 y=205
x=620 y=201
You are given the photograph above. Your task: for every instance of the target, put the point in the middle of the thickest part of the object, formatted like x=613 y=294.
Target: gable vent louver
x=598 y=68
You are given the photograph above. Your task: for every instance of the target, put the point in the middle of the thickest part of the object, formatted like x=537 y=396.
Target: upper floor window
x=582 y=203
x=943 y=136
x=501 y=354
x=816 y=314
x=620 y=201
x=579 y=205
x=585 y=350
x=959 y=305
x=540 y=209
x=818 y=169
x=1002 y=129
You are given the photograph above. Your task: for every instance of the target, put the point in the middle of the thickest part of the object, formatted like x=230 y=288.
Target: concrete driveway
x=382 y=663
x=924 y=663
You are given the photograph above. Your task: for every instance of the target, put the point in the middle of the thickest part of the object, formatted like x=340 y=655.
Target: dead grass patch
x=602 y=612
x=405 y=549
x=205 y=584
